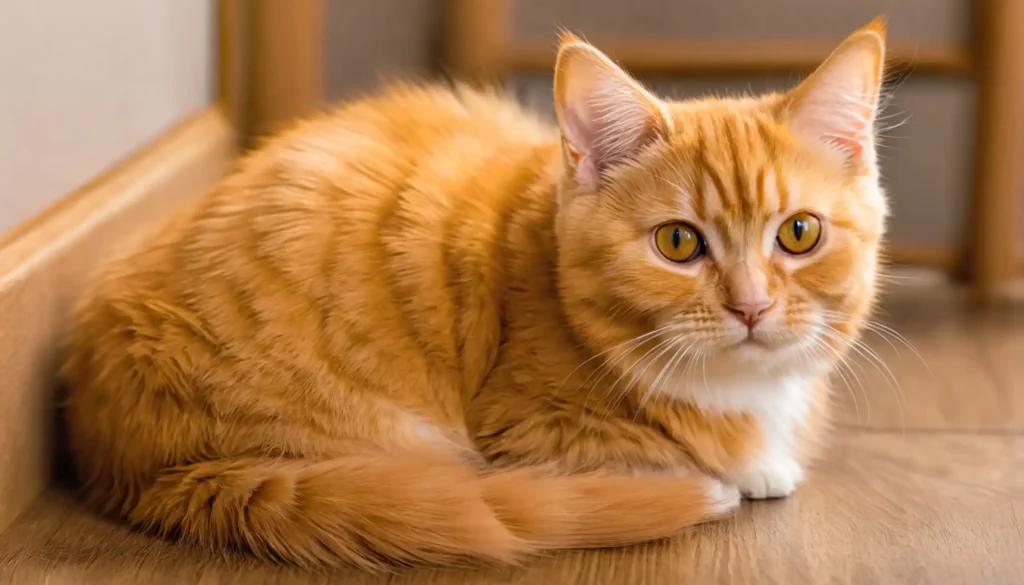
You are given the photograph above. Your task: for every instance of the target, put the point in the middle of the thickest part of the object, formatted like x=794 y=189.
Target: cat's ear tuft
x=605 y=116
x=838 y=103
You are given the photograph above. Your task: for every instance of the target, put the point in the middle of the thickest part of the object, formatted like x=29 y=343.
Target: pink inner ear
x=580 y=135
x=854 y=146
x=834 y=122
x=852 y=140
x=836 y=105
x=587 y=173
x=604 y=115
x=580 y=139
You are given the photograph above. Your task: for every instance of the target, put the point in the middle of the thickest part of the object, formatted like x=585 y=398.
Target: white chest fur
x=780 y=404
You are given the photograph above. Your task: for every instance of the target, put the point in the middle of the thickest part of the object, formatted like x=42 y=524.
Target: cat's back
x=354 y=251
x=408 y=129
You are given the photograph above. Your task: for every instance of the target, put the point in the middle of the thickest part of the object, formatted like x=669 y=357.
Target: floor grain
x=927 y=488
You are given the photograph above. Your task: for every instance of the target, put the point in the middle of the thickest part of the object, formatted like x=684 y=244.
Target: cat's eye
x=800 y=233
x=679 y=242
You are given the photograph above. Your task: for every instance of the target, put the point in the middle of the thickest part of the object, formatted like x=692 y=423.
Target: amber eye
x=679 y=242
x=800 y=233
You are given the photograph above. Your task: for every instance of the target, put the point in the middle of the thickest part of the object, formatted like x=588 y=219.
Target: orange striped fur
x=429 y=328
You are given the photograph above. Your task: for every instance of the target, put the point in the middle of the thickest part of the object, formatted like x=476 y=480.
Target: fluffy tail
x=415 y=509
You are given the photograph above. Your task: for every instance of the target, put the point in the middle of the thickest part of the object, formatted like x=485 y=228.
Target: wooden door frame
x=273 y=63
x=995 y=237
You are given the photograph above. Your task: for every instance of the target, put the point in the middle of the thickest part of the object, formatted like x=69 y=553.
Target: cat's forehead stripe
x=753 y=187
x=767 y=138
x=739 y=179
x=710 y=181
x=700 y=184
x=782 y=191
x=762 y=187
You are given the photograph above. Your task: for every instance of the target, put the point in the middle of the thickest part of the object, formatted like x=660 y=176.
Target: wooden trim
x=286 y=62
x=906 y=254
x=476 y=39
x=999 y=150
x=44 y=264
x=232 y=73
x=479 y=47
x=722 y=57
x=945 y=258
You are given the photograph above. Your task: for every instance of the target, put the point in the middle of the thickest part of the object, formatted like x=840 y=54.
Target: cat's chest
x=776 y=404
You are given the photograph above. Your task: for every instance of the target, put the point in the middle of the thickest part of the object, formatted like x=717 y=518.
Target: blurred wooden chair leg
x=285 y=62
x=476 y=38
x=999 y=151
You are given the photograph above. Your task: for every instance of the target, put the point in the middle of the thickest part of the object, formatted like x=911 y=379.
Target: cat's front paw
x=769 y=477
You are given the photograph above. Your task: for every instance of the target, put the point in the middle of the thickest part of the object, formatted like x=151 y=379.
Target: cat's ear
x=838 y=103
x=605 y=116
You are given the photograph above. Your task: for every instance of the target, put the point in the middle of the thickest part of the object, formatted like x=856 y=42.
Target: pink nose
x=750 y=313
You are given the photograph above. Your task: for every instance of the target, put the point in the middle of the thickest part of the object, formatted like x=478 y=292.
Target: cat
x=430 y=328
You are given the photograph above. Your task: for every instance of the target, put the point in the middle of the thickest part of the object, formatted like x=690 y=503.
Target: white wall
x=84 y=84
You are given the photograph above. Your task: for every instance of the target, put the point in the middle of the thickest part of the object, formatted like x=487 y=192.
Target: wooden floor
x=925 y=484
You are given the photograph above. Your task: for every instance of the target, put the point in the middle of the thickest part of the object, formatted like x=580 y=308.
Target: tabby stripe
x=724 y=200
x=739 y=181
x=699 y=183
x=762 y=189
x=387 y=265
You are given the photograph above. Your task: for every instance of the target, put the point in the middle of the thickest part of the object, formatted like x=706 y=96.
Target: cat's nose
x=751 y=312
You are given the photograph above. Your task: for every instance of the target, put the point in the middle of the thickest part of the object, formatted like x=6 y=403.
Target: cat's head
x=744 y=230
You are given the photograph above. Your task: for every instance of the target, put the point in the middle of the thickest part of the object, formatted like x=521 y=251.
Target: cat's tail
x=416 y=509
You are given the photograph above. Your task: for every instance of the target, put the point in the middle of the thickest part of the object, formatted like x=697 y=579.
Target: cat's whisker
x=650 y=389
x=636 y=379
x=889 y=276
x=841 y=362
x=704 y=370
x=810 y=353
x=687 y=377
x=883 y=330
x=868 y=327
x=872 y=357
x=608 y=366
x=668 y=367
x=844 y=362
x=612 y=388
x=639 y=339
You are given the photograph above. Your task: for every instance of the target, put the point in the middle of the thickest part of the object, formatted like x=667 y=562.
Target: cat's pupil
x=798 y=229
x=677 y=238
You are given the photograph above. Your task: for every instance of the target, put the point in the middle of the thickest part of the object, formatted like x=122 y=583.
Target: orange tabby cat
x=428 y=328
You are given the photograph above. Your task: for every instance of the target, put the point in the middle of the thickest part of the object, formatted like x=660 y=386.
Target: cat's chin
x=769 y=352
x=792 y=355
x=752 y=350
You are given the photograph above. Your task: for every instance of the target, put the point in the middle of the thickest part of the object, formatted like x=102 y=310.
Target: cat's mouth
x=755 y=348
x=757 y=341
x=752 y=338
x=752 y=346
